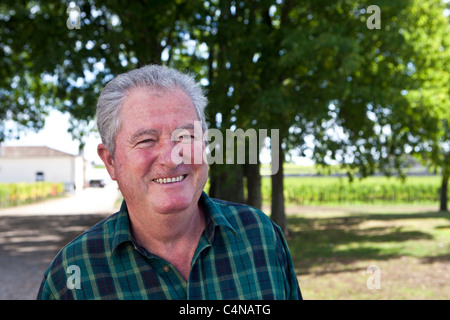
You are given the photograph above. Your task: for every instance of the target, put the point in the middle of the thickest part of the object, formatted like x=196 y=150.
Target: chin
x=168 y=205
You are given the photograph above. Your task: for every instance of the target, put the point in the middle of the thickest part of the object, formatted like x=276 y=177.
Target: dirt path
x=30 y=236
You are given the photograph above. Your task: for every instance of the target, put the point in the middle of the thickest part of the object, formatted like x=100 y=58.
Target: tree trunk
x=214 y=184
x=278 y=213
x=226 y=182
x=254 y=196
x=237 y=188
x=443 y=196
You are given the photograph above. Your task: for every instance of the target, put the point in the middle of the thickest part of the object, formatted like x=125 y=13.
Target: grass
x=333 y=249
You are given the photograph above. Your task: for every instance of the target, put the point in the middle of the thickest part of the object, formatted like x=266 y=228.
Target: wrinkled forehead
x=144 y=108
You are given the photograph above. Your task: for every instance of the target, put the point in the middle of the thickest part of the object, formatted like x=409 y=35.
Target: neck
x=173 y=237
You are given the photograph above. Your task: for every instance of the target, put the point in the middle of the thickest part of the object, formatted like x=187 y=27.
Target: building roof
x=28 y=152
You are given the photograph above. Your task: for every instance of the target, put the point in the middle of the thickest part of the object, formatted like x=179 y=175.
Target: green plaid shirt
x=241 y=254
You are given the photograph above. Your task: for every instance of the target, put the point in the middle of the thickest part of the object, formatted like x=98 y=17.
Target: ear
x=107 y=159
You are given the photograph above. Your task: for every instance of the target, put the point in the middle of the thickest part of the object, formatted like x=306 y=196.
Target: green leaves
x=306 y=68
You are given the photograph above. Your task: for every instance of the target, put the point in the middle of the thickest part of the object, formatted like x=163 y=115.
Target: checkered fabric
x=241 y=254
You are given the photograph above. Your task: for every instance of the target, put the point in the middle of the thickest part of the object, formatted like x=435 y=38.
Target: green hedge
x=14 y=194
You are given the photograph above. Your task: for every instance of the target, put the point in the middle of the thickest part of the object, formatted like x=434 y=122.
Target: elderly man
x=169 y=240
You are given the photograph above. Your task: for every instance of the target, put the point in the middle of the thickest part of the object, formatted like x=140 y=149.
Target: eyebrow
x=142 y=132
x=188 y=126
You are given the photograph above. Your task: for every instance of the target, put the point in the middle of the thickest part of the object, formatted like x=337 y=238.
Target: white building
x=31 y=164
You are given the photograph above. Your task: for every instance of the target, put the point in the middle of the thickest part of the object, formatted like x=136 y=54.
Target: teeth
x=169 y=180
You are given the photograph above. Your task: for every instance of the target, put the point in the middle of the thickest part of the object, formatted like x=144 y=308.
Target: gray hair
x=152 y=76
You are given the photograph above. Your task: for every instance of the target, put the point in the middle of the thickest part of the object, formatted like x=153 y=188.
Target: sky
x=55 y=135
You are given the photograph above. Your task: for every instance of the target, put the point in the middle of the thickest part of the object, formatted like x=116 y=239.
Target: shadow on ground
x=29 y=243
x=345 y=240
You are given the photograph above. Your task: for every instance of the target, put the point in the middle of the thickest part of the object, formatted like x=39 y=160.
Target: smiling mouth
x=170 y=180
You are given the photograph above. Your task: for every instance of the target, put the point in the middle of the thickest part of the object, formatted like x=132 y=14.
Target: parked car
x=100 y=183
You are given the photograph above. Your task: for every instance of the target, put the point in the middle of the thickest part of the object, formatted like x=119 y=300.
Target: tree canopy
x=368 y=96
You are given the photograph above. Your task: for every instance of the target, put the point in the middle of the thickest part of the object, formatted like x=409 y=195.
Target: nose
x=166 y=154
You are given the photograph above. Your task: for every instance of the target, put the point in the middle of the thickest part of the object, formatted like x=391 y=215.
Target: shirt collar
x=214 y=217
x=122 y=231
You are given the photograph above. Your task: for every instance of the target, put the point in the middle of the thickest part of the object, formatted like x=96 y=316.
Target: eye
x=186 y=138
x=146 y=142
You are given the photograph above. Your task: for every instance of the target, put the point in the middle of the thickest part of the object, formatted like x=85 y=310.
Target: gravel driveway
x=31 y=235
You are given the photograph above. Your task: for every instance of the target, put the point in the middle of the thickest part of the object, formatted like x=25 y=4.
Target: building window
x=39 y=176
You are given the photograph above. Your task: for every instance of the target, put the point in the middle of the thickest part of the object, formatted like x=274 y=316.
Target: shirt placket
x=193 y=282
x=168 y=274
x=172 y=277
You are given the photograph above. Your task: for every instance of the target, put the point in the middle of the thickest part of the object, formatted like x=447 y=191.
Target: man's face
x=143 y=161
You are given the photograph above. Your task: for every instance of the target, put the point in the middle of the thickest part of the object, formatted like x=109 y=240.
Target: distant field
x=291 y=168
x=294 y=169
x=333 y=190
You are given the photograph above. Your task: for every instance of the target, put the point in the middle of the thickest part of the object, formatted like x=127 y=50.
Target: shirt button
x=166 y=269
